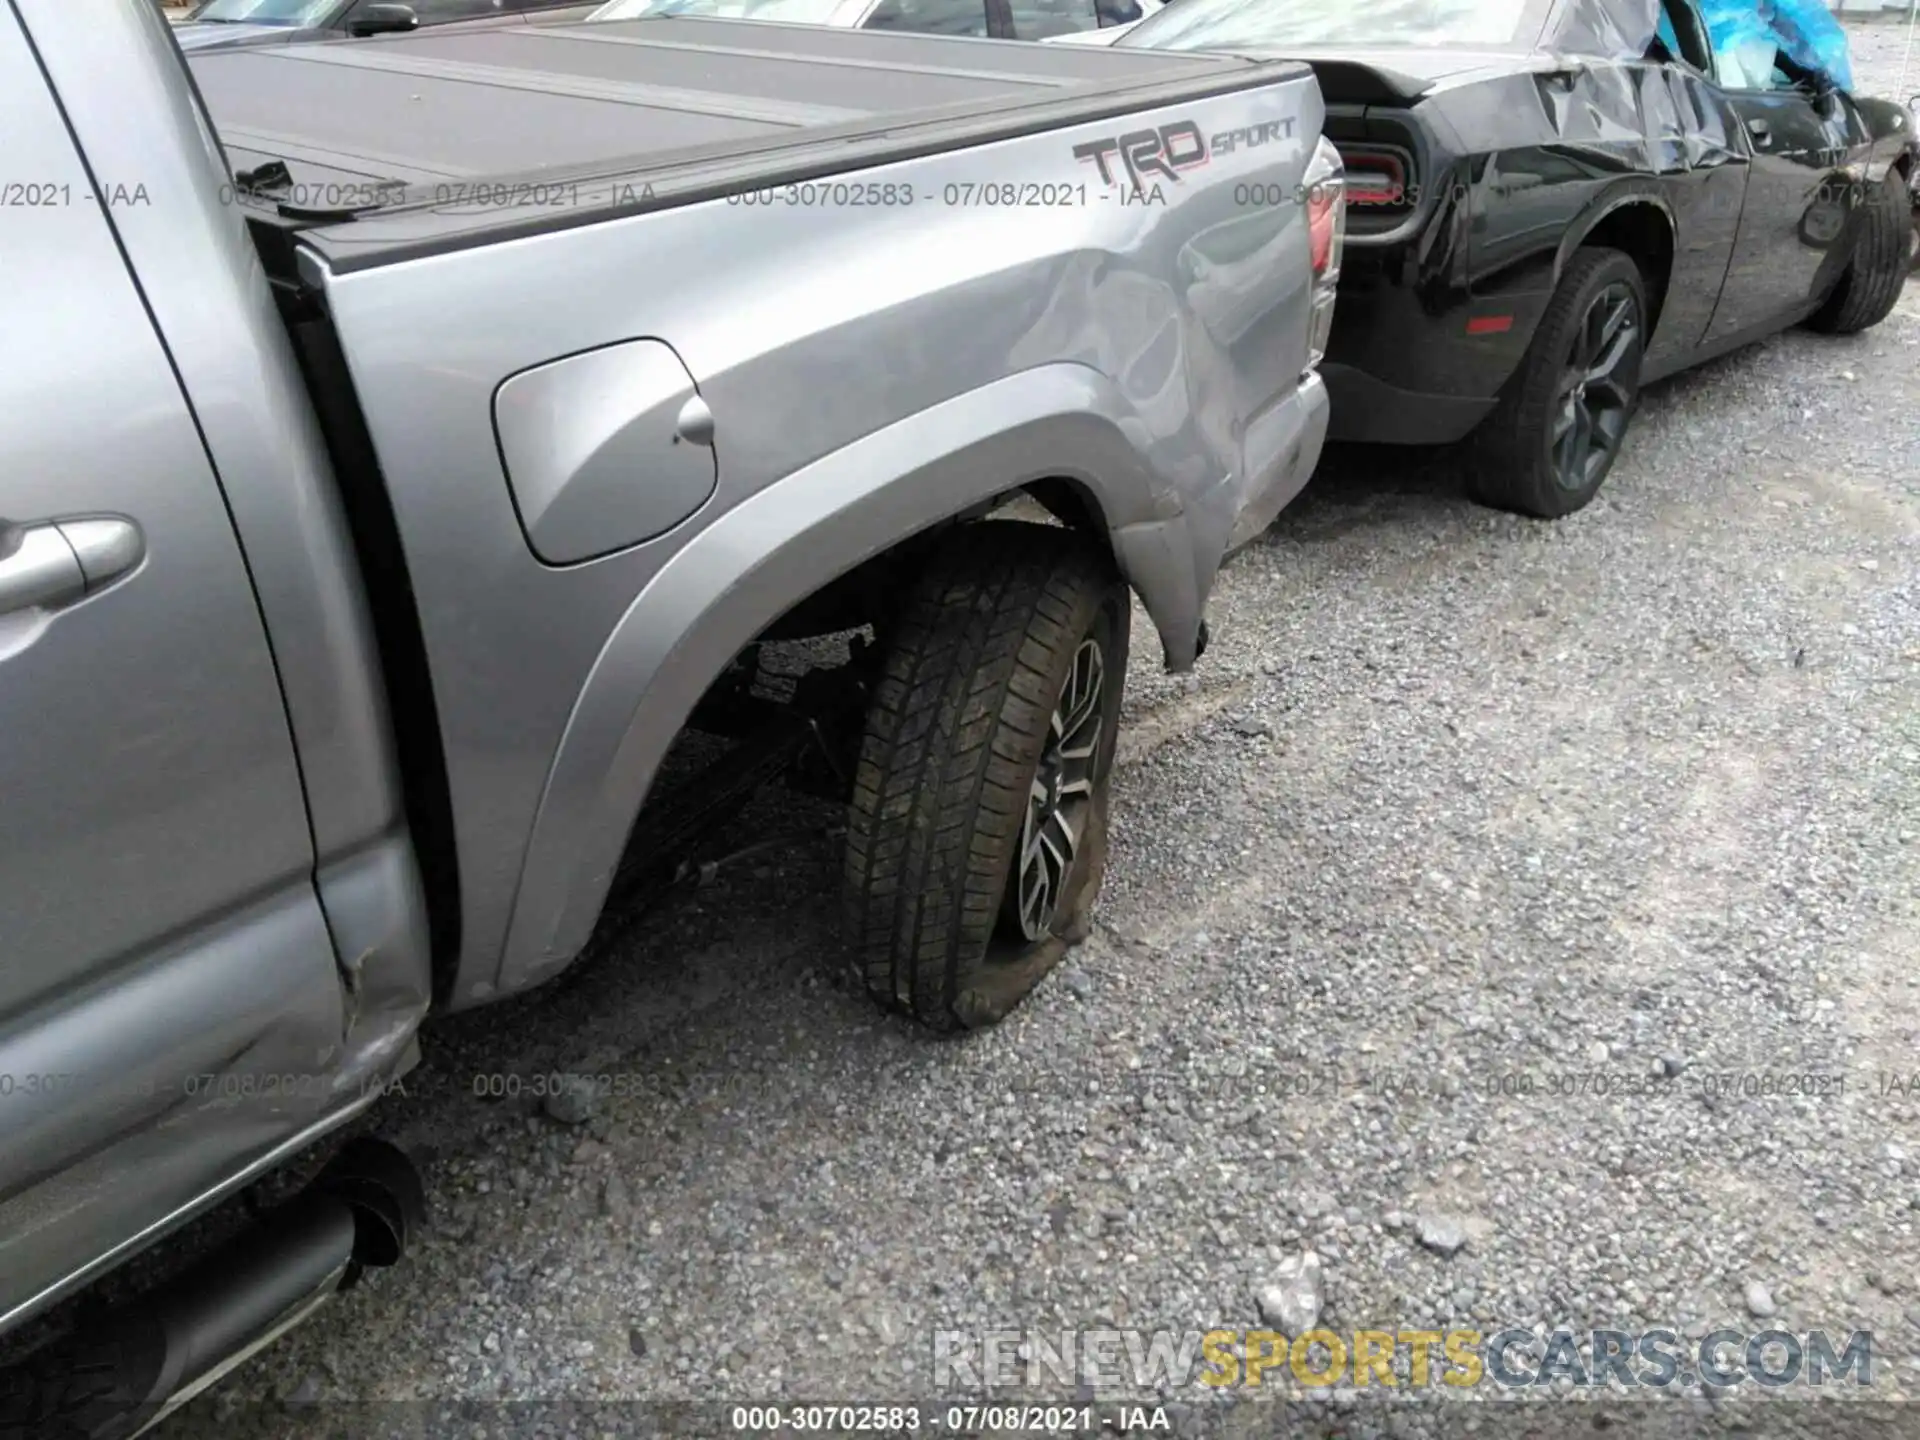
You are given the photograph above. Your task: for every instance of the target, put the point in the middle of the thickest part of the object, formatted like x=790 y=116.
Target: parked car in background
x=1106 y=34
x=407 y=442
x=219 y=24
x=1001 y=19
x=1554 y=202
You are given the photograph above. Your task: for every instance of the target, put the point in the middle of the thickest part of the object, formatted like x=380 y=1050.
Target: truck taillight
x=1326 y=186
x=1326 y=207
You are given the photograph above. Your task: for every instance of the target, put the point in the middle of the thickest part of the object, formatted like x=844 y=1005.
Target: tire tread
x=1874 y=278
x=954 y=726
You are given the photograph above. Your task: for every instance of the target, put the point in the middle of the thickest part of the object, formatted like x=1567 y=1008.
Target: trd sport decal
x=1148 y=153
x=1147 y=156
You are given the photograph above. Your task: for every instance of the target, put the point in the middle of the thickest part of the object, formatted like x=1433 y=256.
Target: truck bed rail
x=438 y=142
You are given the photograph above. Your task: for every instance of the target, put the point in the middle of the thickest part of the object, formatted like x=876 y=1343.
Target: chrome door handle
x=57 y=562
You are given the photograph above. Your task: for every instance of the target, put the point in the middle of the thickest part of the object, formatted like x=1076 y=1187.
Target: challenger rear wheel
x=976 y=840
x=1561 y=421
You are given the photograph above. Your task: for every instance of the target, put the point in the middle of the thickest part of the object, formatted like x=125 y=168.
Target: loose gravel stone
x=1444 y=1235
x=588 y=1151
x=1291 y=1303
x=574 y=1102
x=1759 y=1300
x=616 y=1200
x=308 y=1392
x=1312 y=1204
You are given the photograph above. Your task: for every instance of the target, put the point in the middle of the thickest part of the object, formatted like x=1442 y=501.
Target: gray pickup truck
x=407 y=441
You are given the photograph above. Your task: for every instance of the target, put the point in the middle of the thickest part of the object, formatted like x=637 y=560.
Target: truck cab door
x=165 y=968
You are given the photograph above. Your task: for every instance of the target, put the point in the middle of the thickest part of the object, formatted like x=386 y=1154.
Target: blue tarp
x=1746 y=33
x=1814 y=38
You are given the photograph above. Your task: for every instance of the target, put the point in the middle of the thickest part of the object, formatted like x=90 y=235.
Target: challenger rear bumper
x=1366 y=408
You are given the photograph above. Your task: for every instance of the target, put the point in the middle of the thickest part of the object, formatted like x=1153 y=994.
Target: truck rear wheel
x=976 y=840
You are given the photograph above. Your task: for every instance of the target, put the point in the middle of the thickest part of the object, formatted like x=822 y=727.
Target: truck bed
x=439 y=140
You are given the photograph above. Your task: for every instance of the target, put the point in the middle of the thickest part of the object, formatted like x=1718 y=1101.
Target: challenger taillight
x=1379 y=177
x=1326 y=187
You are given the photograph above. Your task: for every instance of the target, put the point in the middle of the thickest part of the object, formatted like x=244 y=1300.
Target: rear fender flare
x=1632 y=192
x=756 y=561
x=1635 y=190
x=1638 y=190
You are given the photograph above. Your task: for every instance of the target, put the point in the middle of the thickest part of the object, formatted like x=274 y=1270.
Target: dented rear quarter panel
x=871 y=372
x=1557 y=147
x=1561 y=146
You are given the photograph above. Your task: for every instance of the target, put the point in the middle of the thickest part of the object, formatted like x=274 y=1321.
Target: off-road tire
x=982 y=649
x=1870 y=286
x=1509 y=455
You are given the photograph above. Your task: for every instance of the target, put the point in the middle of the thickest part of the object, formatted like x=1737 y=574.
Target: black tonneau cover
x=647 y=112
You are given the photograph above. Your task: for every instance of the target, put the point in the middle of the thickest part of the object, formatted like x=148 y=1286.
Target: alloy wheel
x=1060 y=796
x=1598 y=388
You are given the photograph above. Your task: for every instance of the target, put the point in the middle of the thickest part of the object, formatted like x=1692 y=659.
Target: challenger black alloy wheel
x=1560 y=423
x=1598 y=389
x=976 y=837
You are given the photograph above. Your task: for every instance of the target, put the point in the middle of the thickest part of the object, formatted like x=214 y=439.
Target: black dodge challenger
x=1554 y=202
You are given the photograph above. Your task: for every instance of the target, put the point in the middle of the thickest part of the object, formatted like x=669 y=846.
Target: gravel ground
x=1459 y=803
